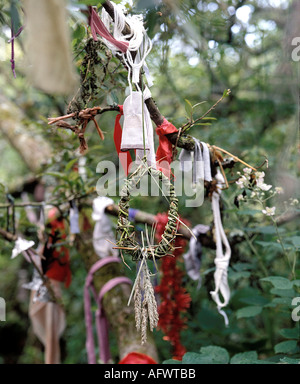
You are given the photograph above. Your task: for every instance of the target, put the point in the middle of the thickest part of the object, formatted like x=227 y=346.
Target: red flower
x=174 y=298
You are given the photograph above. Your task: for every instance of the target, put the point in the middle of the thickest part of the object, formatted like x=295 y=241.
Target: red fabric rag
x=97 y=27
x=125 y=159
x=164 y=151
x=59 y=268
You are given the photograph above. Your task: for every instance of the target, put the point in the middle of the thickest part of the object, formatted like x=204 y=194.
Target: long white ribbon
x=222 y=259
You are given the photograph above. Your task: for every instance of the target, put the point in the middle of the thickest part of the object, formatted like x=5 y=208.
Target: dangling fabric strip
x=201 y=166
x=103 y=235
x=97 y=27
x=56 y=262
x=192 y=259
x=101 y=321
x=74 y=218
x=164 y=151
x=221 y=260
x=137 y=128
x=139 y=42
x=125 y=161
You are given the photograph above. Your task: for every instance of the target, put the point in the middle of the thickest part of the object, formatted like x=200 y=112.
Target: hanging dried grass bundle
x=145 y=305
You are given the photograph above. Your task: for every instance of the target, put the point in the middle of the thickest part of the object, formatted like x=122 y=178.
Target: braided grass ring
x=125 y=230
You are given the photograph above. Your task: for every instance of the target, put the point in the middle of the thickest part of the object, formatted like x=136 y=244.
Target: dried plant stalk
x=145 y=305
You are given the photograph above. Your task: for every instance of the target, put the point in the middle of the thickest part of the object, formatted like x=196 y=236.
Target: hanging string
x=12 y=41
x=222 y=259
x=139 y=43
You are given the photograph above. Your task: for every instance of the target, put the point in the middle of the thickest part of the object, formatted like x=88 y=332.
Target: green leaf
x=92 y=2
x=247 y=212
x=15 y=18
x=197 y=105
x=194 y=358
x=254 y=301
x=209 y=118
x=282 y=301
x=207 y=355
x=248 y=312
x=296 y=283
x=218 y=355
x=242 y=267
x=296 y=241
x=279 y=282
x=198 y=124
x=235 y=276
x=70 y=164
x=226 y=92
x=188 y=109
x=290 y=333
x=288 y=360
x=267 y=230
x=269 y=244
x=283 y=292
x=57 y=175
x=244 y=358
x=171 y=361
x=286 y=346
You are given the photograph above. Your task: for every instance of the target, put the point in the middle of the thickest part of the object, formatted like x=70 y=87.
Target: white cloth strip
x=103 y=229
x=138 y=40
x=201 y=165
x=74 y=219
x=192 y=259
x=222 y=259
x=133 y=134
x=21 y=245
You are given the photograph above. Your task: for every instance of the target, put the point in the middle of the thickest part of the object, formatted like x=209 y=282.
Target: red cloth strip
x=125 y=159
x=58 y=266
x=164 y=151
x=97 y=27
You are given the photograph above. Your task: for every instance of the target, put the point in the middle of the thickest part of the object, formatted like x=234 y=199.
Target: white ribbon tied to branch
x=137 y=127
x=201 y=165
x=222 y=259
x=139 y=42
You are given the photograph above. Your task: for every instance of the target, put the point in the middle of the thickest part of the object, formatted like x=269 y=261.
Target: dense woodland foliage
x=200 y=49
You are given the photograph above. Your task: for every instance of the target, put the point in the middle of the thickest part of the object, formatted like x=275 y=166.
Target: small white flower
x=261 y=185
x=260 y=175
x=294 y=201
x=240 y=198
x=279 y=190
x=269 y=211
x=247 y=171
x=243 y=182
x=253 y=194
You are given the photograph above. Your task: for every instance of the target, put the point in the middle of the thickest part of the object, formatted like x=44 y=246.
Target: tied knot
x=89 y=113
x=222 y=264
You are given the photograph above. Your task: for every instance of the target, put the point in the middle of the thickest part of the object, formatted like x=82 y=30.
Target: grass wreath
x=125 y=230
